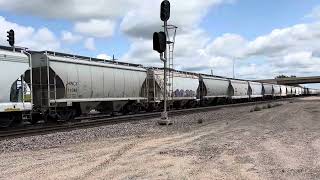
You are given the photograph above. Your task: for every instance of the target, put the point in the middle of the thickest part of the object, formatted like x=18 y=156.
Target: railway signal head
x=11 y=37
x=159 y=42
x=165 y=10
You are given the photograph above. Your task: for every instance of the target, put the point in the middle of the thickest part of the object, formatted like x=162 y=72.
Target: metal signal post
x=161 y=44
x=165 y=113
x=164 y=16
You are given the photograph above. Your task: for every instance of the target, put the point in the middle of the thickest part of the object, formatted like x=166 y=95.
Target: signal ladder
x=170 y=74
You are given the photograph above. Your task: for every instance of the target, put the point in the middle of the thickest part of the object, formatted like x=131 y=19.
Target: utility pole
x=233 y=69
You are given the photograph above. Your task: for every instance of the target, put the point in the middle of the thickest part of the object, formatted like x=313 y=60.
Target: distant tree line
x=284 y=76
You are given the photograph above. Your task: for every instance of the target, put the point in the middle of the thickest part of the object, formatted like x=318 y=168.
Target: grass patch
x=277 y=104
x=257 y=108
x=268 y=106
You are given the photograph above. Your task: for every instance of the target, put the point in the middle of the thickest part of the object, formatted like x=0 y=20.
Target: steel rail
x=102 y=121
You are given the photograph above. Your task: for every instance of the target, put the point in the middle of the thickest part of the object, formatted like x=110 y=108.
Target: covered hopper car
x=67 y=86
x=53 y=86
x=181 y=91
x=15 y=97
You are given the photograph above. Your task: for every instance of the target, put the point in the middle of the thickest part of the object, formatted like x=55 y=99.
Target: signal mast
x=161 y=42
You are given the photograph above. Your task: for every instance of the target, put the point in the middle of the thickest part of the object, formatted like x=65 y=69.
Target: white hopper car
x=15 y=97
x=214 y=90
x=256 y=89
x=181 y=92
x=63 y=86
x=276 y=90
x=78 y=85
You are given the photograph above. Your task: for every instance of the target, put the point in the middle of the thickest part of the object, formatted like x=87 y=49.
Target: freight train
x=60 y=87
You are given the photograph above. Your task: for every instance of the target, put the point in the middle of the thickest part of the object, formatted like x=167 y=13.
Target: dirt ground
x=277 y=143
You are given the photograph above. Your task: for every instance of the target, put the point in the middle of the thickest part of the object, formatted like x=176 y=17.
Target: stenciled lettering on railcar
x=72 y=88
x=184 y=93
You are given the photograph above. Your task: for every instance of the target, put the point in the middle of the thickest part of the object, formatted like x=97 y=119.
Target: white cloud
x=96 y=28
x=71 y=9
x=35 y=39
x=191 y=40
x=297 y=58
x=89 y=44
x=293 y=50
x=140 y=51
x=143 y=21
x=46 y=39
x=228 y=45
x=138 y=20
x=70 y=38
x=280 y=41
x=188 y=55
x=104 y=56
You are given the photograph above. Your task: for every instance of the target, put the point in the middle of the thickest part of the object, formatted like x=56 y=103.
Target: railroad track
x=102 y=120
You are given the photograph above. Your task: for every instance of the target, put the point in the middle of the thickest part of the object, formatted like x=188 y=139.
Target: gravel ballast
x=276 y=142
x=180 y=124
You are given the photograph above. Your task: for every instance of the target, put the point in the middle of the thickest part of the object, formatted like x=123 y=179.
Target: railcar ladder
x=21 y=90
x=48 y=89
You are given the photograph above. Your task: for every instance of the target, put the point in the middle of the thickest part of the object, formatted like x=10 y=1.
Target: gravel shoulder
x=278 y=143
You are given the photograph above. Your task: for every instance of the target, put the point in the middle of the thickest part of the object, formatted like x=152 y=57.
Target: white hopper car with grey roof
x=15 y=96
x=181 y=92
x=276 y=90
x=256 y=89
x=63 y=86
x=67 y=86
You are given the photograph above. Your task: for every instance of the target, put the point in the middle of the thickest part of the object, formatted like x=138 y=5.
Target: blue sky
x=117 y=44
x=252 y=18
x=265 y=38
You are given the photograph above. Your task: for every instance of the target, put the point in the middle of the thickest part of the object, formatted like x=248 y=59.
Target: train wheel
x=33 y=121
x=35 y=117
x=15 y=119
x=150 y=108
x=5 y=121
x=49 y=118
x=127 y=109
x=136 y=108
x=68 y=115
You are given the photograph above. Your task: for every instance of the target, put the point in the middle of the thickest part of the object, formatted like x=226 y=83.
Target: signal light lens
x=159 y=42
